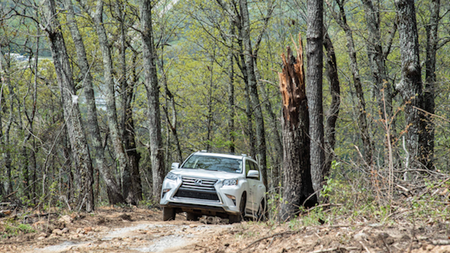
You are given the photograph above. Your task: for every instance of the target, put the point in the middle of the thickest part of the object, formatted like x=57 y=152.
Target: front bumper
x=201 y=201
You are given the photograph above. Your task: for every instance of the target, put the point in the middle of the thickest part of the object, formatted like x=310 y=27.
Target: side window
x=255 y=167
x=249 y=165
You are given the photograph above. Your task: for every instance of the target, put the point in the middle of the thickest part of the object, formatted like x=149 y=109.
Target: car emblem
x=198 y=182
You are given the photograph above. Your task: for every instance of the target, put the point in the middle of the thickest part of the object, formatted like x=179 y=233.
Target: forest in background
x=84 y=130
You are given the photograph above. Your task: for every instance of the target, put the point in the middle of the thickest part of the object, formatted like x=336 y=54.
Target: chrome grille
x=197 y=188
x=202 y=184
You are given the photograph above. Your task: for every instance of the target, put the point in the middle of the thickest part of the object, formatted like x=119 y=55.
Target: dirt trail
x=111 y=230
x=141 y=230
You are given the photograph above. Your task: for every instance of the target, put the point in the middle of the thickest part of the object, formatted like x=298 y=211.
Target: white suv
x=228 y=186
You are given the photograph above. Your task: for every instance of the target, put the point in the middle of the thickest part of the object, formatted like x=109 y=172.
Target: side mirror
x=253 y=174
x=175 y=166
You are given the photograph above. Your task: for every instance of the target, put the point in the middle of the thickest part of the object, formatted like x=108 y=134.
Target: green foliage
x=13 y=228
x=193 y=43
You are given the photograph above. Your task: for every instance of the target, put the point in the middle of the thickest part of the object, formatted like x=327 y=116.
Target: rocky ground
x=141 y=230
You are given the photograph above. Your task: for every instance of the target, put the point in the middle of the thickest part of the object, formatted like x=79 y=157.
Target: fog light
x=164 y=191
x=233 y=198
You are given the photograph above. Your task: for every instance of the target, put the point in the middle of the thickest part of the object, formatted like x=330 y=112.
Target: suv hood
x=206 y=174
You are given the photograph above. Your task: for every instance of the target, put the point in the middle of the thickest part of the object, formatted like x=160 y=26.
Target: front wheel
x=168 y=213
x=238 y=217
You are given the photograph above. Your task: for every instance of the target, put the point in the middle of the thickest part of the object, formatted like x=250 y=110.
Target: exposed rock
x=57 y=231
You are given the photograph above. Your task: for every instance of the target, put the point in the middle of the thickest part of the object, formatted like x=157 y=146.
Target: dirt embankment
x=141 y=230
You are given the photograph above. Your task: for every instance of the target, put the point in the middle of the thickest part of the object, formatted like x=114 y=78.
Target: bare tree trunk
x=171 y=122
x=410 y=86
x=152 y=86
x=113 y=189
x=5 y=136
x=231 y=105
x=298 y=185
x=130 y=143
x=333 y=111
x=248 y=104
x=72 y=113
x=209 y=122
x=129 y=184
x=111 y=111
x=341 y=19
x=256 y=105
x=377 y=63
x=277 y=142
x=427 y=155
x=314 y=55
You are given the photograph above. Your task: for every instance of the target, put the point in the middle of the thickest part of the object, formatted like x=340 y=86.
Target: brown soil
x=141 y=230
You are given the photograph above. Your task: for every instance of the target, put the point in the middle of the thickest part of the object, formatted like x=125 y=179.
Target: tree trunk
x=333 y=111
x=277 y=142
x=256 y=105
x=152 y=86
x=72 y=113
x=130 y=142
x=377 y=63
x=248 y=104
x=430 y=85
x=113 y=189
x=314 y=55
x=361 y=105
x=410 y=86
x=296 y=143
x=231 y=105
x=5 y=135
x=129 y=177
x=111 y=111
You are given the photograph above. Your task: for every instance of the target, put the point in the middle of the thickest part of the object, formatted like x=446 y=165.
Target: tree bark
x=130 y=136
x=377 y=63
x=277 y=142
x=112 y=188
x=314 y=54
x=410 y=86
x=296 y=143
x=430 y=85
x=5 y=135
x=341 y=19
x=152 y=86
x=333 y=111
x=72 y=113
x=111 y=111
x=130 y=174
x=231 y=105
x=256 y=105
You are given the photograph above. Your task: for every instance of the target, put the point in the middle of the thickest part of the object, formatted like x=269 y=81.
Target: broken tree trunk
x=296 y=144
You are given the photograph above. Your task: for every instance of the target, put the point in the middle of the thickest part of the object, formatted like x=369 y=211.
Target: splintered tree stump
x=296 y=143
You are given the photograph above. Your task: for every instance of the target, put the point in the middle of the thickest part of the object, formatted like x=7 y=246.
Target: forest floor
x=113 y=229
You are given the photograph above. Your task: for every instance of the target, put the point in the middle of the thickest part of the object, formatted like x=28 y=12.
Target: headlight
x=172 y=176
x=230 y=182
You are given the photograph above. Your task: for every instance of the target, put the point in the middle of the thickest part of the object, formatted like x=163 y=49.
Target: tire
x=192 y=217
x=234 y=218
x=168 y=214
x=242 y=206
x=239 y=217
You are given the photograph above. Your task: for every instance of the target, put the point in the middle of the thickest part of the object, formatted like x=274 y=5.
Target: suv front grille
x=198 y=183
x=197 y=188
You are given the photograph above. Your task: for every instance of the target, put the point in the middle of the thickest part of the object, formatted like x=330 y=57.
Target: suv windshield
x=214 y=163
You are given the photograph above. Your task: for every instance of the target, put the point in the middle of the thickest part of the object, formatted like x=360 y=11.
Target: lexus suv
x=223 y=185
